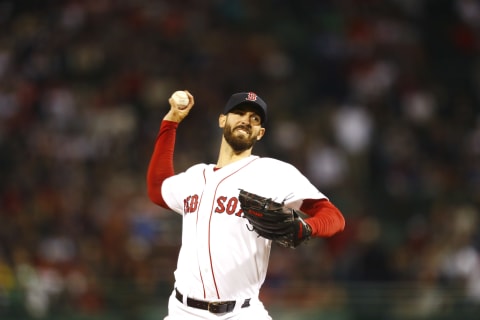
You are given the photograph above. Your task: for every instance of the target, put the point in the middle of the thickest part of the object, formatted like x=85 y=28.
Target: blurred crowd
x=376 y=101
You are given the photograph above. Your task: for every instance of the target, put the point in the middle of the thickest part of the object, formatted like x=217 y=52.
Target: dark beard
x=238 y=144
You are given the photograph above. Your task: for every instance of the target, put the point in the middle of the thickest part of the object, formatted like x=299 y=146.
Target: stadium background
x=376 y=101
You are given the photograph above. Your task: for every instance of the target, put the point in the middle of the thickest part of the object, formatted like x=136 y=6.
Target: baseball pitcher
x=232 y=212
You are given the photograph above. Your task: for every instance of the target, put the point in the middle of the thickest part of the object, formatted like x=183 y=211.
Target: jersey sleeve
x=171 y=191
x=176 y=189
x=324 y=218
x=294 y=186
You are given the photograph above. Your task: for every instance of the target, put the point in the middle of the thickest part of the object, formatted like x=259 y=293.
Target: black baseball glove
x=273 y=220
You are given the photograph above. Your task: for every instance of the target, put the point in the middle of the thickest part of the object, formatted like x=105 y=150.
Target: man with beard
x=222 y=264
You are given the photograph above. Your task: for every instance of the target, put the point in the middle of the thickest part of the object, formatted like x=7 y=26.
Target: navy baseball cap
x=250 y=98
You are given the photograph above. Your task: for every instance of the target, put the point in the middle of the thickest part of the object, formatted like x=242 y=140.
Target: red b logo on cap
x=251 y=96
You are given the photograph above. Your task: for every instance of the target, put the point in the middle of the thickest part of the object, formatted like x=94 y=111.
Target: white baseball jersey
x=220 y=258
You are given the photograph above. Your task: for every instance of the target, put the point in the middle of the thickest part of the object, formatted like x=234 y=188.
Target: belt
x=213 y=307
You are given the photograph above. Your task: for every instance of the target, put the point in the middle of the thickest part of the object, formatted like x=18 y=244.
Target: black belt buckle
x=221 y=307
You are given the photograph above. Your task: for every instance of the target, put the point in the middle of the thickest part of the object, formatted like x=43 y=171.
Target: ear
x=221 y=120
x=261 y=133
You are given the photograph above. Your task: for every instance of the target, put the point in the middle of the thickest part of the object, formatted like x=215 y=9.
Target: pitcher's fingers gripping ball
x=273 y=220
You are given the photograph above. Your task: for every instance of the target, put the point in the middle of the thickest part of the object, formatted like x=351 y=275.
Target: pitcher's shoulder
x=275 y=163
x=198 y=167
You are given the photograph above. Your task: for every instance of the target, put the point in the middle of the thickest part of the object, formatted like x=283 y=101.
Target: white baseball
x=181 y=99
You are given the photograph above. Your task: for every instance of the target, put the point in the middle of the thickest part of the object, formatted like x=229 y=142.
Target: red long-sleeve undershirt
x=161 y=162
x=325 y=219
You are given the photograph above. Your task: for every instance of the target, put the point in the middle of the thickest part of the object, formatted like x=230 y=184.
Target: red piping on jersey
x=210 y=222
x=196 y=223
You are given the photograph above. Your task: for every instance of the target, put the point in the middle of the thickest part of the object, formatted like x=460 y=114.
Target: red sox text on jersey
x=224 y=204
